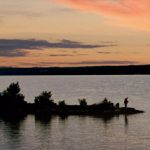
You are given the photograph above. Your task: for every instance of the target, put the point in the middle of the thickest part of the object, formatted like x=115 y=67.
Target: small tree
x=11 y=98
x=13 y=89
x=82 y=102
x=62 y=103
x=44 y=99
x=105 y=104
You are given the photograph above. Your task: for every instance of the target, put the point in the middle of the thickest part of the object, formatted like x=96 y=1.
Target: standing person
x=126 y=102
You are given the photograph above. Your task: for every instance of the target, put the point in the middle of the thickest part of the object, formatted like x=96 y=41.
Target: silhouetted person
x=126 y=102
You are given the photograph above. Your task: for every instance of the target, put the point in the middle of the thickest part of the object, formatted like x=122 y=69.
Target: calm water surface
x=77 y=132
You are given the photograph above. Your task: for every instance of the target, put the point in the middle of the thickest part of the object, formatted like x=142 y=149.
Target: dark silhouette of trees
x=62 y=103
x=105 y=105
x=11 y=100
x=82 y=102
x=44 y=101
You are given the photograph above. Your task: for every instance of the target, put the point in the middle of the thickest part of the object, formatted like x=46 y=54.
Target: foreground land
x=12 y=104
x=94 y=70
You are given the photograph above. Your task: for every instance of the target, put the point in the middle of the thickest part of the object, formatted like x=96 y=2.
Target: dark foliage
x=11 y=100
x=44 y=101
x=82 y=102
x=105 y=105
x=62 y=103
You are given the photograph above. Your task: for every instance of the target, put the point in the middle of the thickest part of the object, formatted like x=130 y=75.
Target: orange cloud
x=134 y=13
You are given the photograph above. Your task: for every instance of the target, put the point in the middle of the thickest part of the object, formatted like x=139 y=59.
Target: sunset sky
x=45 y=33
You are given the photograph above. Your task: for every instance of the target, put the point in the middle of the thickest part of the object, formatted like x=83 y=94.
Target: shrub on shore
x=44 y=100
x=12 y=99
x=82 y=102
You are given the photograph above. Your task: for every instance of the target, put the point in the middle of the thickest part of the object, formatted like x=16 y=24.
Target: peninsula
x=12 y=104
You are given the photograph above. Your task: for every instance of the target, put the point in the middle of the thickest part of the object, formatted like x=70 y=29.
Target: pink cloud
x=134 y=13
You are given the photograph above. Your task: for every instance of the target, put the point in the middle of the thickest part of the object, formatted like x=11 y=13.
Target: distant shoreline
x=85 y=70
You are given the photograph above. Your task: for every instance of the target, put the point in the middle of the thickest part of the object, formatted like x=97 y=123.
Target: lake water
x=78 y=132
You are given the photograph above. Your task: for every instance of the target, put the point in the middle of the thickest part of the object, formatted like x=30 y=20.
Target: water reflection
x=126 y=120
x=46 y=119
x=63 y=117
x=12 y=132
x=43 y=119
x=44 y=130
x=64 y=132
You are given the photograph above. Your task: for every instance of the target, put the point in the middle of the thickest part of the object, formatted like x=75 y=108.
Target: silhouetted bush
x=44 y=100
x=105 y=104
x=82 y=102
x=62 y=103
x=12 y=99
